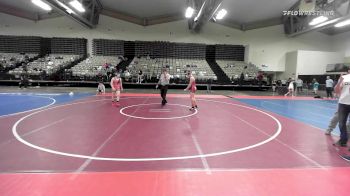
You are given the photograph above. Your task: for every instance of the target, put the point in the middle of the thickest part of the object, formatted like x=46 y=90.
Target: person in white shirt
x=299 y=84
x=163 y=82
x=274 y=86
x=329 y=87
x=290 y=89
x=343 y=89
x=126 y=75
x=284 y=82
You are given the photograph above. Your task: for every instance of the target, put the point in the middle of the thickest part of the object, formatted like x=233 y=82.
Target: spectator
x=24 y=79
x=139 y=77
x=127 y=75
x=315 y=86
x=241 y=79
x=2 y=67
x=260 y=77
x=329 y=87
x=283 y=82
x=299 y=84
x=209 y=82
x=274 y=84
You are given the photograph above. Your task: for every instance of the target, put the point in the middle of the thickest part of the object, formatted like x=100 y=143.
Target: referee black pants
x=163 y=91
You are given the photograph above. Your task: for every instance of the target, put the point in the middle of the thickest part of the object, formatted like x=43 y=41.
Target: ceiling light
x=42 y=5
x=318 y=20
x=221 y=14
x=189 y=12
x=70 y=11
x=343 y=23
x=77 y=5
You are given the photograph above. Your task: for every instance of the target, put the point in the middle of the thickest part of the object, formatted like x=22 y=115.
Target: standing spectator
x=329 y=87
x=24 y=79
x=274 y=84
x=241 y=79
x=139 y=77
x=209 y=82
x=299 y=84
x=315 y=86
x=43 y=74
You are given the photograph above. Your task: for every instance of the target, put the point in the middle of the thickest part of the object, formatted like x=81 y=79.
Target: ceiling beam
x=321 y=26
x=83 y=19
x=123 y=16
x=17 y=12
x=206 y=10
x=165 y=19
x=143 y=21
x=230 y=23
x=262 y=24
x=49 y=15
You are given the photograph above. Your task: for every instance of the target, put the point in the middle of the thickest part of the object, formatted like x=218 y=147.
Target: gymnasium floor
x=52 y=143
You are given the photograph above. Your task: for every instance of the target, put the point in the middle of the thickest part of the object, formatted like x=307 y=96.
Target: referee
x=163 y=83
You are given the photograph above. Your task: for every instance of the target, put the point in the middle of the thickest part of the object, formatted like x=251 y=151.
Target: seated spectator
x=2 y=67
x=127 y=75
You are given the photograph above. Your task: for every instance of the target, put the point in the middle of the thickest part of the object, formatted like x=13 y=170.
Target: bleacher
x=93 y=66
x=234 y=69
x=177 y=68
x=47 y=65
x=65 y=61
x=10 y=61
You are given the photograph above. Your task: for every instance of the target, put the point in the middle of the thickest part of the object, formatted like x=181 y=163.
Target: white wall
x=303 y=62
x=270 y=45
x=267 y=46
x=315 y=62
x=341 y=43
x=291 y=66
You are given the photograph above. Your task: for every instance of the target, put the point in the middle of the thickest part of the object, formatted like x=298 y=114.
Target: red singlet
x=116 y=83
x=193 y=87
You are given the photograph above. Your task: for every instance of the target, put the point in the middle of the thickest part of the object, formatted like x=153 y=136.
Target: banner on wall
x=307 y=5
